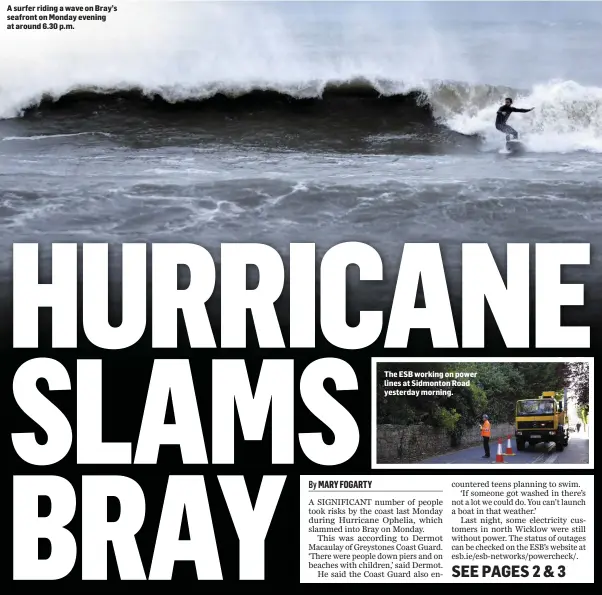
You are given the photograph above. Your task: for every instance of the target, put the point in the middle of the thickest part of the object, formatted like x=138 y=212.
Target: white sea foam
x=195 y=50
x=567 y=118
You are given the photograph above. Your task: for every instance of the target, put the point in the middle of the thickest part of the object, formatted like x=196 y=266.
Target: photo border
x=427 y=466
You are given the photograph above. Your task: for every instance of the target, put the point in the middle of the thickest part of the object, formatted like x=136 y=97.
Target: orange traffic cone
x=509 y=452
x=499 y=458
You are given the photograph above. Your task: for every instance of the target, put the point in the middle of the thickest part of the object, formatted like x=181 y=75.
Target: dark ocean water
x=311 y=123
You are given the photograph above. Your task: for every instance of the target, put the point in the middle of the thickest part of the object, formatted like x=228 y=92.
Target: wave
x=567 y=118
x=365 y=63
x=233 y=97
x=567 y=115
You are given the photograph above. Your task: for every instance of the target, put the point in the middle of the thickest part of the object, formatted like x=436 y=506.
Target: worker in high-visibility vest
x=486 y=434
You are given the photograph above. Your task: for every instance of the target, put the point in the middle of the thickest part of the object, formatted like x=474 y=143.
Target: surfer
x=502 y=117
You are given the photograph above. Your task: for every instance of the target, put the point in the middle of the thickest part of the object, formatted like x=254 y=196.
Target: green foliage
x=449 y=420
x=494 y=390
x=446 y=418
x=578 y=377
x=583 y=413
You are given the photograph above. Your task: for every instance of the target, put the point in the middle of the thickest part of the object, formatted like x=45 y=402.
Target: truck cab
x=541 y=420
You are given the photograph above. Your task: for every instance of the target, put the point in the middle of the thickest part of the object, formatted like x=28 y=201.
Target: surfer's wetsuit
x=502 y=117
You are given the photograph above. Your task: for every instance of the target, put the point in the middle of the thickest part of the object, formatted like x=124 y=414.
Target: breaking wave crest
x=567 y=116
x=357 y=64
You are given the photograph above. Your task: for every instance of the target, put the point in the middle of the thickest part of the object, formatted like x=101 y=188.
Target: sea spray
x=195 y=51
x=567 y=118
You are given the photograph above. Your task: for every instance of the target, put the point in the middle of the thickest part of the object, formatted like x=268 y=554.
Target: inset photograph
x=473 y=412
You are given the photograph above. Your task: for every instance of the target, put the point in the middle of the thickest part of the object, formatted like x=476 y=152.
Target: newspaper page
x=299 y=295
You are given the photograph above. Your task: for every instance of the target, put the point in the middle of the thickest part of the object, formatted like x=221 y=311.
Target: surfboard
x=515 y=146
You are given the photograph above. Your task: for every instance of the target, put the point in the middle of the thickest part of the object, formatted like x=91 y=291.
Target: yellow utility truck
x=542 y=420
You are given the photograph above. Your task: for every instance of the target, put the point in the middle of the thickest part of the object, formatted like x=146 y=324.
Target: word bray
x=184 y=495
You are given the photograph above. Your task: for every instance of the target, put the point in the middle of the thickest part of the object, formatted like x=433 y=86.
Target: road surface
x=576 y=452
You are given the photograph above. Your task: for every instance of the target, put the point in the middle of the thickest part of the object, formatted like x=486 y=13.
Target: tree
x=495 y=390
x=578 y=380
